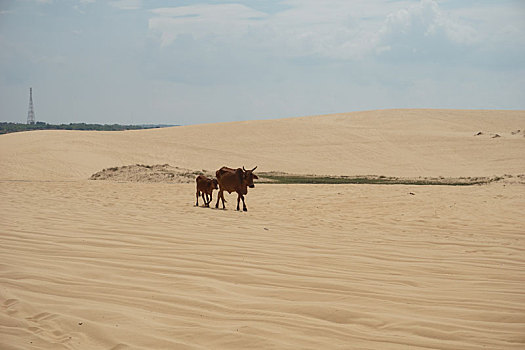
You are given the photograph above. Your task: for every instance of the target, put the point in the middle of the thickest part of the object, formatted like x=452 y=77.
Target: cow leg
x=239 y=197
x=243 y=204
x=203 y=198
x=197 y=204
x=220 y=196
x=211 y=198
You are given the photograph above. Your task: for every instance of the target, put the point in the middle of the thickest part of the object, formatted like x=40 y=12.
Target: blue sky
x=191 y=62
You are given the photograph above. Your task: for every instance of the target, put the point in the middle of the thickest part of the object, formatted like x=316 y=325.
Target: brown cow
x=205 y=186
x=235 y=180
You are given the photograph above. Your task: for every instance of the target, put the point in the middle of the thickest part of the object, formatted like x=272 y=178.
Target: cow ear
x=255 y=176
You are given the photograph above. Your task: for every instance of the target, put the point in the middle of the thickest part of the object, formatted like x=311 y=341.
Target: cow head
x=214 y=184
x=249 y=176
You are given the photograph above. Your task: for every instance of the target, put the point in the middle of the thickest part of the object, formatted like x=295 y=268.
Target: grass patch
x=283 y=178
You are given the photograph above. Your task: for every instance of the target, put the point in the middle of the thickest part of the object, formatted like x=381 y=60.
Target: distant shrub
x=8 y=127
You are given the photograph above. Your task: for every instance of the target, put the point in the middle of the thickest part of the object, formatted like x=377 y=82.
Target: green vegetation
x=6 y=127
x=280 y=178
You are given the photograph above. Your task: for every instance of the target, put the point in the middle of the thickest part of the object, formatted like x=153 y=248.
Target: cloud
x=498 y=25
x=225 y=22
x=304 y=29
x=333 y=29
x=424 y=32
x=426 y=20
x=127 y=4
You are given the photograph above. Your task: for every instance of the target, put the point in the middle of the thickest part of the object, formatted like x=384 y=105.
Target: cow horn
x=243 y=168
x=254 y=168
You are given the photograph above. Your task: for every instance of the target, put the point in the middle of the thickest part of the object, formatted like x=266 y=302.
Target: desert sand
x=390 y=143
x=132 y=265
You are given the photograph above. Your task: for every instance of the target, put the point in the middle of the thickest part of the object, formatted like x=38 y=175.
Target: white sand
x=106 y=265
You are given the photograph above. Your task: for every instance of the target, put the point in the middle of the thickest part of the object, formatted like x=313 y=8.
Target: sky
x=192 y=62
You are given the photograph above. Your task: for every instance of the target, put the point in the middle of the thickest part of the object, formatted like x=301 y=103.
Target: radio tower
x=31 y=112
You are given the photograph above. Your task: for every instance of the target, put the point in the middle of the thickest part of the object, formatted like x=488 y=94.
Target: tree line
x=8 y=127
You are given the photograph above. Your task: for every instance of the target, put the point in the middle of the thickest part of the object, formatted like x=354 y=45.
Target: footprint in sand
x=41 y=317
x=9 y=304
x=45 y=329
x=36 y=330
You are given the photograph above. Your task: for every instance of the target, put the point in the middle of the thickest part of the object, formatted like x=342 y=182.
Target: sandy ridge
x=403 y=143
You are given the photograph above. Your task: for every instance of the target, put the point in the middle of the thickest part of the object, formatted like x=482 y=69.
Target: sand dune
x=391 y=143
x=108 y=265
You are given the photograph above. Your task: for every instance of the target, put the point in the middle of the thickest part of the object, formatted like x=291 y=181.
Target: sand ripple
x=94 y=265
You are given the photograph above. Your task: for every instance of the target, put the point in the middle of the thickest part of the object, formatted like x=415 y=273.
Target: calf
x=205 y=186
x=235 y=180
